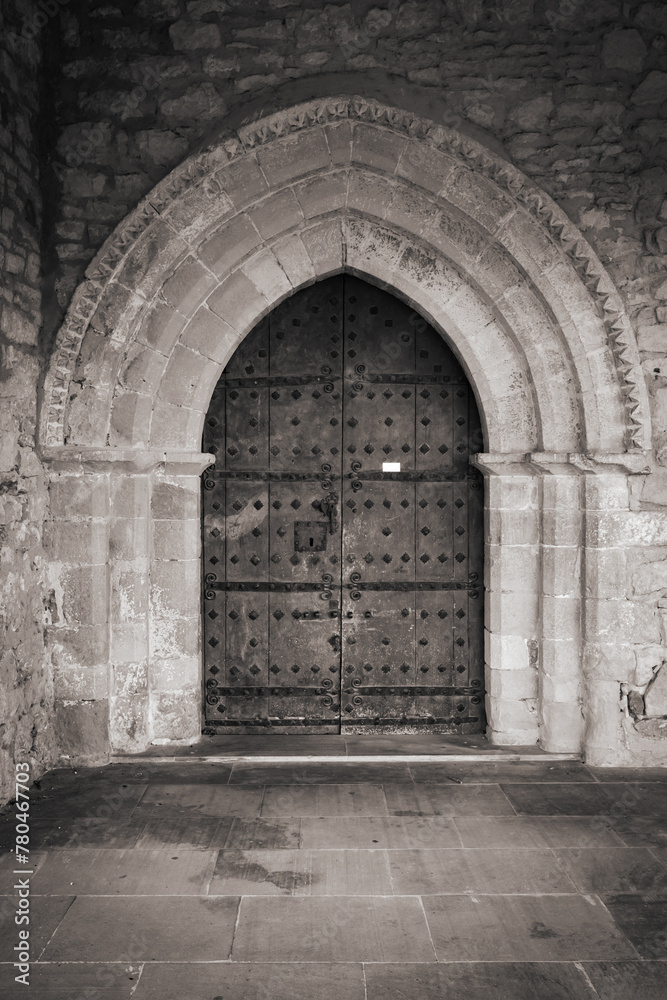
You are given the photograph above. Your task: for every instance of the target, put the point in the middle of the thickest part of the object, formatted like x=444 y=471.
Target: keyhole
x=312 y=542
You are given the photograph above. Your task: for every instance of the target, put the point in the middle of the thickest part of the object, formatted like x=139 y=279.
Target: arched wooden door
x=343 y=524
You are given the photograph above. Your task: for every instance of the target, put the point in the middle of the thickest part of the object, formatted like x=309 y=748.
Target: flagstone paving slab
x=628 y=980
x=337 y=773
x=510 y=771
x=324 y=800
x=567 y=928
x=644 y=923
x=204 y=800
x=640 y=831
x=489 y=871
x=477 y=981
x=46 y=913
x=116 y=831
x=615 y=870
x=96 y=801
x=332 y=929
x=251 y=981
x=370 y=832
x=631 y=774
x=9 y=867
x=536 y=831
x=136 y=872
x=74 y=981
x=145 y=929
x=447 y=800
x=645 y=798
x=192 y=833
x=564 y=799
x=302 y=873
x=268 y=834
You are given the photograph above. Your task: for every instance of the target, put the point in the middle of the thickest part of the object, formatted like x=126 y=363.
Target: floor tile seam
x=600 y=899
x=226 y=961
x=485 y=848
x=210 y=867
x=332 y=895
x=136 y=985
x=428 y=926
x=294 y=894
x=507 y=799
x=298 y=962
x=236 y=926
x=652 y=851
x=562 y=868
x=59 y=923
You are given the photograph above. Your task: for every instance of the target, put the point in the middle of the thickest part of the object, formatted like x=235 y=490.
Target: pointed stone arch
x=489 y=260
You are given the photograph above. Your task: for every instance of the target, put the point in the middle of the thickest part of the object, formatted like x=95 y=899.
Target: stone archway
x=341 y=184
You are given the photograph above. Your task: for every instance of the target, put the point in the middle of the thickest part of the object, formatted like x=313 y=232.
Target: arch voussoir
x=337 y=185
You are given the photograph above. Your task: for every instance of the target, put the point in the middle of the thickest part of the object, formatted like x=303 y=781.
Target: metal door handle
x=329 y=507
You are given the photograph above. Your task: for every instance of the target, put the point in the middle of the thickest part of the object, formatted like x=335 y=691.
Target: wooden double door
x=343 y=524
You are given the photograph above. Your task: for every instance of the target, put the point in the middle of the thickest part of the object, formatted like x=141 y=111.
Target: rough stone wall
x=26 y=689
x=573 y=91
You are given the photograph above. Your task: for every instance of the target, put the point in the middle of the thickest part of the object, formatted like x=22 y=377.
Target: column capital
x=123 y=461
x=538 y=463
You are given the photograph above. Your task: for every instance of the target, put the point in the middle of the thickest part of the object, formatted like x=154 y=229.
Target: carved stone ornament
x=202 y=169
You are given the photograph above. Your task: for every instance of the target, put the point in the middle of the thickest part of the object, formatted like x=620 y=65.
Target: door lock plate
x=310 y=536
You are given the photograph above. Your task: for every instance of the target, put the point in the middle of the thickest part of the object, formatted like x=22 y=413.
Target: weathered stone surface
x=83 y=730
x=649 y=660
x=158 y=10
x=198 y=102
x=651 y=90
x=161 y=147
x=189 y=35
x=172 y=501
x=533 y=115
x=624 y=49
x=651 y=577
x=653 y=338
x=216 y=66
x=655 y=696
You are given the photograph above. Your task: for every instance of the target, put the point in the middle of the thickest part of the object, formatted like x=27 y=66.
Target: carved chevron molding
x=203 y=167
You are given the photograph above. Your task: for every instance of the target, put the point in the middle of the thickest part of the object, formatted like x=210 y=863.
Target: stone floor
x=204 y=880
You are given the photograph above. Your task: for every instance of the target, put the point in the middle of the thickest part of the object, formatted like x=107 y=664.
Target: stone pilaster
x=511 y=599
x=124 y=546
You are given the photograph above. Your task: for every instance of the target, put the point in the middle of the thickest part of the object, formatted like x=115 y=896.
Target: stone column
x=175 y=667
x=511 y=578
x=613 y=624
x=129 y=548
x=76 y=539
x=561 y=539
